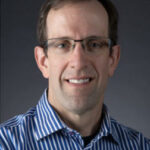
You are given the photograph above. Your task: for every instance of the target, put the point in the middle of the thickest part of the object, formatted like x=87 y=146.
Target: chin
x=80 y=108
x=79 y=104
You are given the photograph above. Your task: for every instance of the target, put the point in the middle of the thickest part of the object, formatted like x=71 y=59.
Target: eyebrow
x=67 y=37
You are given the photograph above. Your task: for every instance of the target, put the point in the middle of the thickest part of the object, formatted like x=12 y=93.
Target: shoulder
x=19 y=119
x=16 y=127
x=129 y=137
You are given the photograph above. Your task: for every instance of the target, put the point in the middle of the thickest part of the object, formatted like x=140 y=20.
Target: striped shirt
x=42 y=129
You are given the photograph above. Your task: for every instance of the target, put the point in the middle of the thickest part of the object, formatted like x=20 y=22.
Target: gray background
x=128 y=93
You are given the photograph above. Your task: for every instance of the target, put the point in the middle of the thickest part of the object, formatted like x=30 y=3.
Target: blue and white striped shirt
x=42 y=129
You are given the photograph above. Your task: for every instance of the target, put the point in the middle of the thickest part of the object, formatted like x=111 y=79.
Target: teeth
x=79 y=81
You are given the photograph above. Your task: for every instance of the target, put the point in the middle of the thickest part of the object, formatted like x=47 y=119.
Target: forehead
x=78 y=20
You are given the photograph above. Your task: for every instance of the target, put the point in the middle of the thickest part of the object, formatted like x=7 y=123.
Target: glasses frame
x=82 y=41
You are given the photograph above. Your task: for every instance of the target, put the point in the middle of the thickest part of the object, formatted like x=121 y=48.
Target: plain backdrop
x=22 y=84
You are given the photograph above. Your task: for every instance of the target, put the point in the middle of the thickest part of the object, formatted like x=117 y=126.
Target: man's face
x=69 y=85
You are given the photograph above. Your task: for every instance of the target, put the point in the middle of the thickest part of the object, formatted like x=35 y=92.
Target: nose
x=78 y=58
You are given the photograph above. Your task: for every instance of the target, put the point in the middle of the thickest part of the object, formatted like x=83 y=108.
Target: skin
x=79 y=105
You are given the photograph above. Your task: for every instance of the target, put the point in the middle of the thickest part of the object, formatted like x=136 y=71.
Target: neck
x=86 y=124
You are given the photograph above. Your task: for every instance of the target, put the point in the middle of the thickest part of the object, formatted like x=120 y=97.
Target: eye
x=62 y=44
x=94 y=44
x=97 y=44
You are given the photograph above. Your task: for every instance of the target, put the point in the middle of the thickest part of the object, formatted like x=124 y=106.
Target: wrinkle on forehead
x=79 y=19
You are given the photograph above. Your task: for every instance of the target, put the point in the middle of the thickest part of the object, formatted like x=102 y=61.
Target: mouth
x=79 y=81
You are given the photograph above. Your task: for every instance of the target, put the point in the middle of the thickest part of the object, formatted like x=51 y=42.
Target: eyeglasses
x=92 y=45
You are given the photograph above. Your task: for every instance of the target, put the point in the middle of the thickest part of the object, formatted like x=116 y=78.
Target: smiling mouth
x=79 y=81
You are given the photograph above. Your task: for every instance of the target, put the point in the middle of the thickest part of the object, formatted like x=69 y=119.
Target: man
x=78 y=53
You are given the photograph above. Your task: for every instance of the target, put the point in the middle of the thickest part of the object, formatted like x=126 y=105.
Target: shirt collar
x=47 y=121
x=106 y=128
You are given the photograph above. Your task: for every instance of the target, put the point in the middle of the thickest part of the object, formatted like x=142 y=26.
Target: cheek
x=102 y=65
x=55 y=67
x=54 y=77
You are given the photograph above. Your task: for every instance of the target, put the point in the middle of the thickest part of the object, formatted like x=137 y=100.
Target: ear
x=114 y=59
x=41 y=60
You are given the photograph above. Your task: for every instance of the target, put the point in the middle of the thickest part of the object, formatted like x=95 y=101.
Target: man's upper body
x=41 y=128
x=77 y=53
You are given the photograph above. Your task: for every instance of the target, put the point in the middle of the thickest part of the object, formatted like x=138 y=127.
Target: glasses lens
x=96 y=44
x=60 y=45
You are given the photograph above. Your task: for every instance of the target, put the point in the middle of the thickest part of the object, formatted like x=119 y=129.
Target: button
x=72 y=133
